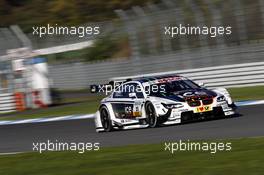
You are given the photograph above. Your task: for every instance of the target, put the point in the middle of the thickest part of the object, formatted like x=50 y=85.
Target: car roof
x=146 y=79
x=149 y=78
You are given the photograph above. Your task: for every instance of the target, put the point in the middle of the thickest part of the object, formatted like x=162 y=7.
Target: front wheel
x=105 y=119
x=151 y=115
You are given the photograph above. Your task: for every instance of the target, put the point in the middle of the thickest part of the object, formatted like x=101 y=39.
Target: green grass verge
x=84 y=105
x=246 y=157
x=247 y=93
x=82 y=108
x=90 y=104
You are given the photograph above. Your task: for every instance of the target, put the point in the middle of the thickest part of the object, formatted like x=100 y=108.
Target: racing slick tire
x=105 y=119
x=151 y=115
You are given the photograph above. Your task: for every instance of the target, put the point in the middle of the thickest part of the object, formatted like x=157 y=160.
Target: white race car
x=160 y=100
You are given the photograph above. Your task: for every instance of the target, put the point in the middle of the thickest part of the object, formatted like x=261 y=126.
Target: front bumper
x=217 y=112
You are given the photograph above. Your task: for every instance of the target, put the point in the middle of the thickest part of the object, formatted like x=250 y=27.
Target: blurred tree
x=28 y=13
x=63 y=11
x=5 y=8
x=16 y=2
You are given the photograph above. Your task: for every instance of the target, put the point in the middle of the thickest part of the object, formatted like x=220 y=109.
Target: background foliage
x=67 y=12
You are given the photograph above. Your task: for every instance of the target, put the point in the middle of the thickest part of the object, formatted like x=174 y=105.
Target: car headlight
x=221 y=98
x=171 y=106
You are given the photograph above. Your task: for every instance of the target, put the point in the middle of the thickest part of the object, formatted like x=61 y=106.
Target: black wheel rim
x=104 y=118
x=151 y=115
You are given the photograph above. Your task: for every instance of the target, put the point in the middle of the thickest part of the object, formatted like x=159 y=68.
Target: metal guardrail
x=7 y=102
x=81 y=75
x=237 y=75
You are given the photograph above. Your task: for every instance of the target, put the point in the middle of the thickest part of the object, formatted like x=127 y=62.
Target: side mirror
x=132 y=95
x=201 y=84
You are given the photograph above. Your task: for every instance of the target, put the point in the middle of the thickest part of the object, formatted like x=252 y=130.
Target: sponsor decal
x=225 y=106
x=175 y=115
x=203 y=109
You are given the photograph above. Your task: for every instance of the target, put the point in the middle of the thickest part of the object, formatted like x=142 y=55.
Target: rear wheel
x=105 y=119
x=151 y=115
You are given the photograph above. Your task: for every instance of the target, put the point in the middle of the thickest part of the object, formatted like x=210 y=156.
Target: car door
x=128 y=100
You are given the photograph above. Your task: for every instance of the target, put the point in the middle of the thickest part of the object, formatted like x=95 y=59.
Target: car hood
x=185 y=95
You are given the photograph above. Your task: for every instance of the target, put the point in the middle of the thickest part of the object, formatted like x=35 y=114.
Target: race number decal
x=122 y=110
x=128 y=110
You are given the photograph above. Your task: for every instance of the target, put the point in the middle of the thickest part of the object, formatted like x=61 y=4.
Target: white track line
x=248 y=103
x=11 y=153
x=52 y=119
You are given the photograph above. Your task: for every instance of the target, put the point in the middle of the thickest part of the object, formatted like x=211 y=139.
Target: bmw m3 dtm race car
x=160 y=100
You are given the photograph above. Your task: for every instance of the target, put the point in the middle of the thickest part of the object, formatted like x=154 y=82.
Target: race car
x=160 y=100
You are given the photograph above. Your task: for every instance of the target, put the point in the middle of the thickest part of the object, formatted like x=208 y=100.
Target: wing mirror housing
x=201 y=84
x=132 y=95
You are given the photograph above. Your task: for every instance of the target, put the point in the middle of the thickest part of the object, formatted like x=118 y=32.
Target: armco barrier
x=20 y=101
x=10 y=102
x=237 y=75
x=81 y=75
x=7 y=103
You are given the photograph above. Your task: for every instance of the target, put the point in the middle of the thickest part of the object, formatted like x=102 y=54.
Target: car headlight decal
x=171 y=106
x=221 y=99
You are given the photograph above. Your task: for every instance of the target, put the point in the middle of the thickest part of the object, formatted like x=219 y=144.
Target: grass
x=244 y=158
x=89 y=105
x=247 y=93
x=81 y=108
x=71 y=106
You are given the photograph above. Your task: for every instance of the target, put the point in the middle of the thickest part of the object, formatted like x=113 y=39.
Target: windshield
x=172 y=87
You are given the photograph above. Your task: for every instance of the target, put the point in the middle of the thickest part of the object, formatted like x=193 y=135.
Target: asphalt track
x=20 y=138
